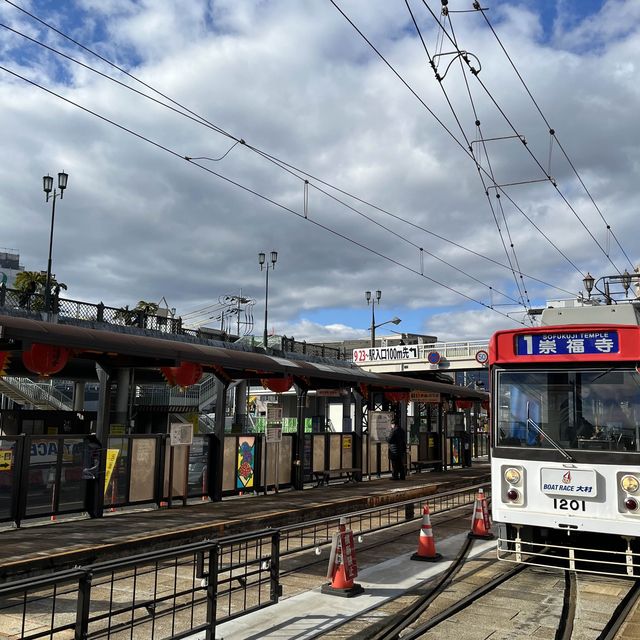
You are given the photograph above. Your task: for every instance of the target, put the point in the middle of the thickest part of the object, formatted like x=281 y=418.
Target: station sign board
x=424 y=396
x=386 y=354
x=329 y=393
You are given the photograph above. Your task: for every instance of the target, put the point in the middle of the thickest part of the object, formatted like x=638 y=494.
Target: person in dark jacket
x=398 y=452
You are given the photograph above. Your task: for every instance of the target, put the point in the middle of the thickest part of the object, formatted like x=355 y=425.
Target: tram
x=566 y=440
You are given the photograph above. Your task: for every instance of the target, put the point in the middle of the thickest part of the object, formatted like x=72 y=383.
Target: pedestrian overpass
x=436 y=356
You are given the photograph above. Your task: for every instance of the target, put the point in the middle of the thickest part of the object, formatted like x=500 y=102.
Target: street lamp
x=625 y=280
x=47 y=185
x=372 y=301
x=264 y=265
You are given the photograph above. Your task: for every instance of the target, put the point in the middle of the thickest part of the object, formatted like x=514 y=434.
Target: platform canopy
x=112 y=349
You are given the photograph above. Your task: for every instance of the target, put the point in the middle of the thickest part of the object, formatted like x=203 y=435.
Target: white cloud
x=294 y=79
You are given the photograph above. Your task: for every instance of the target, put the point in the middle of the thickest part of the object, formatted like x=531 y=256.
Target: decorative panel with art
x=245 y=469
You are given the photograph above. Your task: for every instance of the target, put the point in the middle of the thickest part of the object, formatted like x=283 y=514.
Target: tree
x=129 y=316
x=29 y=283
x=150 y=308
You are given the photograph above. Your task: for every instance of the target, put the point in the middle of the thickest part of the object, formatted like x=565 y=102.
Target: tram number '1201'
x=568 y=505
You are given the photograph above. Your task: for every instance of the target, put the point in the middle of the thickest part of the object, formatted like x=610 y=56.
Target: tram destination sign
x=566 y=343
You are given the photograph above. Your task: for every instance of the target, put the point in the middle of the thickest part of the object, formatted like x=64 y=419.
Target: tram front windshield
x=578 y=409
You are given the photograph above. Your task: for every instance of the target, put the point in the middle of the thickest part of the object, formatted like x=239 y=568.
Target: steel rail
x=621 y=613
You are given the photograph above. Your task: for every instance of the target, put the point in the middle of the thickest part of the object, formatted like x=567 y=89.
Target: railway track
x=482 y=598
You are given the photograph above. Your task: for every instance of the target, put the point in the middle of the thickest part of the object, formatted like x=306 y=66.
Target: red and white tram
x=566 y=439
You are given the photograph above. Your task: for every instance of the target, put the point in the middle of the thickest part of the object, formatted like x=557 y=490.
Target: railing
x=39 y=393
x=140 y=318
x=165 y=594
x=310 y=535
x=455 y=350
x=451 y=351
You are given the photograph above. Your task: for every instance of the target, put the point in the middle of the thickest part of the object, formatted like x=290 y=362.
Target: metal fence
x=56 y=475
x=309 y=535
x=162 y=594
x=140 y=318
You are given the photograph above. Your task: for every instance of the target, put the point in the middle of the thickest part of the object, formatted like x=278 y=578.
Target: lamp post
x=47 y=185
x=264 y=265
x=373 y=301
x=625 y=280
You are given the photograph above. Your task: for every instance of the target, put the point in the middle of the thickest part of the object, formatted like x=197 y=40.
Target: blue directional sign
x=562 y=344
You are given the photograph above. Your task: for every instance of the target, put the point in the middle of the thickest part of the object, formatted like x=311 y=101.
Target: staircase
x=198 y=397
x=24 y=391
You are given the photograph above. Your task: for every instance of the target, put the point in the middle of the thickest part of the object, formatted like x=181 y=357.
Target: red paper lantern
x=464 y=404
x=485 y=405
x=4 y=362
x=45 y=359
x=187 y=374
x=277 y=385
x=397 y=396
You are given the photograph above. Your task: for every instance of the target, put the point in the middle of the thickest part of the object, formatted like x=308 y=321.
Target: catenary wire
x=553 y=132
x=235 y=183
x=531 y=154
x=462 y=131
x=450 y=133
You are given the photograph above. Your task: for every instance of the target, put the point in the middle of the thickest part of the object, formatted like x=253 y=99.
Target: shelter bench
x=419 y=465
x=354 y=474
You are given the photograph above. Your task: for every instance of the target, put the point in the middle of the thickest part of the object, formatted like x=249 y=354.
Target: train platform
x=39 y=548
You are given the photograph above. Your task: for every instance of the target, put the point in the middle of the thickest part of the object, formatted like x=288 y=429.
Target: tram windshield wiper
x=531 y=422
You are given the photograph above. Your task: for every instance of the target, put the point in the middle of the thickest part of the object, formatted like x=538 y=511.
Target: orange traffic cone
x=426 y=544
x=343 y=567
x=480 y=524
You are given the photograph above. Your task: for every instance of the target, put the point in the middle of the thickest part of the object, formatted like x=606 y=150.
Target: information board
x=274 y=413
x=181 y=433
x=274 y=433
x=380 y=424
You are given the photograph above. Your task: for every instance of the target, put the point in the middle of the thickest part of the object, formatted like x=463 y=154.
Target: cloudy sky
x=397 y=171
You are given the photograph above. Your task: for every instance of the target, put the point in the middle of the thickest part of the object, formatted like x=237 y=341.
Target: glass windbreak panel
x=116 y=481
x=42 y=484
x=72 y=485
x=8 y=480
x=198 y=471
x=597 y=409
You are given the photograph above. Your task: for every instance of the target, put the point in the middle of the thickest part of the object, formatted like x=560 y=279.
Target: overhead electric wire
x=500 y=205
x=553 y=133
x=448 y=131
x=282 y=164
x=235 y=183
x=464 y=135
x=532 y=155
x=197 y=316
x=200 y=120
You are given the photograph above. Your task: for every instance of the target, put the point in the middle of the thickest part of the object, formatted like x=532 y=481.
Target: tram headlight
x=512 y=476
x=631 y=504
x=630 y=484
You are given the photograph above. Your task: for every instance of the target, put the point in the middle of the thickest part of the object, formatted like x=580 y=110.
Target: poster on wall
x=246 y=462
x=380 y=423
